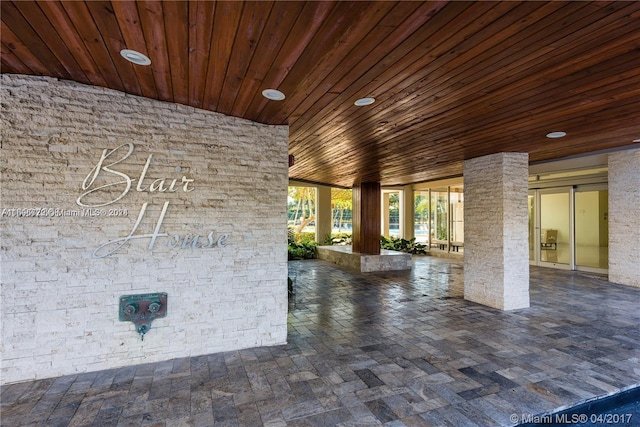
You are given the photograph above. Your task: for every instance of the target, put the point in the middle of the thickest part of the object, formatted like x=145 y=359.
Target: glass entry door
x=551 y=227
x=568 y=227
x=555 y=227
x=591 y=228
x=534 y=239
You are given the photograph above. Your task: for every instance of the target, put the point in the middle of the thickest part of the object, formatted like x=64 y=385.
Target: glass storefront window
x=341 y=210
x=456 y=199
x=301 y=209
x=394 y=214
x=555 y=227
x=421 y=216
x=532 y=226
x=439 y=218
x=592 y=229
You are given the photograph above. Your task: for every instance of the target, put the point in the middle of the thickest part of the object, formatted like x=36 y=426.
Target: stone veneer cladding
x=60 y=305
x=385 y=261
x=624 y=217
x=496 y=256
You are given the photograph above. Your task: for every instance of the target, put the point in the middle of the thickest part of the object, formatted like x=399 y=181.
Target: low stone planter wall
x=344 y=256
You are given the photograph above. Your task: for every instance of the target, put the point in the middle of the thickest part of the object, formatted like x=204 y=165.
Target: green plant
x=290 y=286
x=414 y=247
x=339 y=239
x=402 y=245
x=302 y=250
x=305 y=237
x=442 y=232
x=300 y=245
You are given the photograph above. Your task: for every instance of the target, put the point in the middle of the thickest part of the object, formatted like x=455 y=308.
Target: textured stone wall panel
x=60 y=305
x=496 y=266
x=624 y=217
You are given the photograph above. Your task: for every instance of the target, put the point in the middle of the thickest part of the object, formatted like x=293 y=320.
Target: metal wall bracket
x=142 y=310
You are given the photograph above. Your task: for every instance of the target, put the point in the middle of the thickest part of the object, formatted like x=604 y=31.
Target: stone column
x=624 y=217
x=384 y=220
x=366 y=218
x=323 y=214
x=496 y=257
x=408 y=214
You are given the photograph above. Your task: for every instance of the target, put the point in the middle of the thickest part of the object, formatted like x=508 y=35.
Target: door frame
x=537 y=194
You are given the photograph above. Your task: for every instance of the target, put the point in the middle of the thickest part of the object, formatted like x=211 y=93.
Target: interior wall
x=105 y=194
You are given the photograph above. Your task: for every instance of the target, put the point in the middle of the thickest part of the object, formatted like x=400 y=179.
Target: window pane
x=341 y=210
x=555 y=228
x=457 y=217
x=301 y=213
x=421 y=216
x=439 y=218
x=591 y=225
x=532 y=227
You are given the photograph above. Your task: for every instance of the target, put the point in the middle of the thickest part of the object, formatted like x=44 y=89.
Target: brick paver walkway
x=393 y=349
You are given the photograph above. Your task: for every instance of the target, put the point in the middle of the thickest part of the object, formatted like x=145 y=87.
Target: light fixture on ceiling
x=273 y=94
x=636 y=140
x=135 y=57
x=554 y=135
x=364 y=101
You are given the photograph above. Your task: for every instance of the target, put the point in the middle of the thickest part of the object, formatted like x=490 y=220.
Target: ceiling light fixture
x=364 y=101
x=135 y=57
x=556 y=135
x=636 y=140
x=273 y=94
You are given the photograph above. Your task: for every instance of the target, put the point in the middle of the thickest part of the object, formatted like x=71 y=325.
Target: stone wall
x=344 y=256
x=624 y=217
x=496 y=255
x=106 y=194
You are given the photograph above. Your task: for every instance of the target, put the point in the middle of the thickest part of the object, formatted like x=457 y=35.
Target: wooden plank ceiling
x=452 y=80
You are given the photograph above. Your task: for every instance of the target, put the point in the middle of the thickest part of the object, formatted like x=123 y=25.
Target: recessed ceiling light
x=556 y=134
x=273 y=94
x=364 y=101
x=135 y=57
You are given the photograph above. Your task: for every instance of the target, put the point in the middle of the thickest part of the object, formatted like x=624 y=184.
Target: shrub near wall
x=106 y=194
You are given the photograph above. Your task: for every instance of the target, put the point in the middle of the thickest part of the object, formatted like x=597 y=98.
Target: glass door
x=555 y=228
x=456 y=216
x=440 y=218
x=568 y=228
x=591 y=228
x=534 y=239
